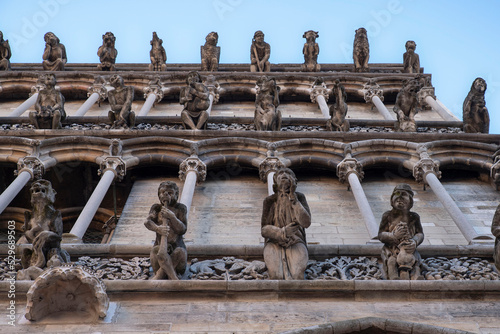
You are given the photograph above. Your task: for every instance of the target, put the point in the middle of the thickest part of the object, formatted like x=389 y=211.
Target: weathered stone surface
x=107 y=52
x=475 y=114
x=260 y=52
x=361 y=51
x=54 y=55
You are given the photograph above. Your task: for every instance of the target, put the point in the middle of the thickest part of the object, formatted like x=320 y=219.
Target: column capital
x=371 y=89
x=319 y=88
x=213 y=87
x=32 y=165
x=114 y=164
x=423 y=93
x=348 y=166
x=194 y=164
x=154 y=87
x=495 y=170
x=37 y=87
x=99 y=87
x=268 y=165
x=424 y=167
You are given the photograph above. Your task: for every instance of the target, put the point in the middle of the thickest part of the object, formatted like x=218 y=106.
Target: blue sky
x=456 y=40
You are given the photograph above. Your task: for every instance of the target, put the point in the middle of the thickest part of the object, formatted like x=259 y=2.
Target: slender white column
x=146 y=107
x=363 y=205
x=320 y=99
x=435 y=106
x=88 y=212
x=13 y=189
x=188 y=189
x=270 y=183
x=382 y=109
x=191 y=171
x=24 y=106
x=211 y=98
x=87 y=104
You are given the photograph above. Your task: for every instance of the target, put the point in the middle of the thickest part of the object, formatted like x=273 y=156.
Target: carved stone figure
x=196 y=101
x=495 y=230
x=361 y=51
x=285 y=216
x=120 y=100
x=267 y=117
x=260 y=52
x=311 y=51
x=338 y=111
x=5 y=54
x=107 y=52
x=406 y=106
x=401 y=232
x=475 y=114
x=43 y=229
x=169 y=221
x=54 y=55
x=49 y=105
x=411 y=61
x=157 y=54
x=210 y=53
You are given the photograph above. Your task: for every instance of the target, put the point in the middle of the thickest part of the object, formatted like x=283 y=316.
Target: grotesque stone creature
x=196 y=100
x=338 y=111
x=411 y=61
x=401 y=232
x=285 y=216
x=54 y=55
x=157 y=54
x=120 y=100
x=361 y=51
x=107 y=52
x=406 y=106
x=495 y=230
x=49 y=105
x=5 y=54
x=43 y=229
x=311 y=51
x=267 y=117
x=475 y=114
x=260 y=52
x=210 y=53
x=168 y=220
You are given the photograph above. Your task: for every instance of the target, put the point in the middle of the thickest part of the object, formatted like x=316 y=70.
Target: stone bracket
x=423 y=167
x=348 y=166
x=193 y=164
x=99 y=87
x=371 y=89
x=32 y=165
x=154 y=87
x=114 y=164
x=423 y=93
x=213 y=87
x=269 y=164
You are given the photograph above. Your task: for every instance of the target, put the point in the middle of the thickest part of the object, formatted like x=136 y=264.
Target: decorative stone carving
x=406 y=106
x=285 y=216
x=371 y=89
x=338 y=111
x=260 y=52
x=227 y=268
x=423 y=167
x=196 y=101
x=107 y=52
x=213 y=87
x=99 y=87
x=319 y=88
x=461 y=269
x=43 y=229
x=193 y=164
x=54 y=55
x=267 y=117
x=120 y=101
x=154 y=86
x=475 y=114
x=49 y=105
x=361 y=51
x=311 y=51
x=32 y=165
x=169 y=221
x=495 y=169
x=67 y=291
x=344 y=268
x=347 y=166
x=401 y=232
x=495 y=230
x=411 y=61
x=157 y=54
x=114 y=164
x=116 y=268
x=269 y=164
x=5 y=54
x=210 y=53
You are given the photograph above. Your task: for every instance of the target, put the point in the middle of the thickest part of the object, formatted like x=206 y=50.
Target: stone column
x=267 y=168
x=351 y=170
x=28 y=168
x=213 y=87
x=192 y=171
x=97 y=92
x=319 y=94
x=30 y=102
x=426 y=96
x=374 y=94
x=427 y=170
x=111 y=168
x=153 y=94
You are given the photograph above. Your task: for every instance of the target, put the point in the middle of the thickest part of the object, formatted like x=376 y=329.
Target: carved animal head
x=267 y=85
x=478 y=86
x=168 y=193
x=212 y=38
x=411 y=86
x=410 y=46
x=156 y=42
x=361 y=34
x=42 y=192
x=193 y=77
x=51 y=38
x=116 y=81
x=108 y=39
x=311 y=35
x=49 y=79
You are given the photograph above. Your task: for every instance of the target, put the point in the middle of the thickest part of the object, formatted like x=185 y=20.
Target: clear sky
x=456 y=39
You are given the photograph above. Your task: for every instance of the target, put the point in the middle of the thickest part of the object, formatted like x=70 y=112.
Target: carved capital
x=317 y=90
x=348 y=166
x=99 y=87
x=423 y=93
x=371 y=89
x=495 y=171
x=424 y=167
x=154 y=87
x=32 y=165
x=213 y=87
x=114 y=164
x=193 y=164
x=269 y=164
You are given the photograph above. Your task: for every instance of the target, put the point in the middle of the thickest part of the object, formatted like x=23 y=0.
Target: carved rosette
x=348 y=166
x=114 y=164
x=193 y=164
x=371 y=89
x=268 y=165
x=213 y=87
x=99 y=87
x=423 y=93
x=66 y=289
x=423 y=167
x=317 y=90
x=32 y=165
x=154 y=87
